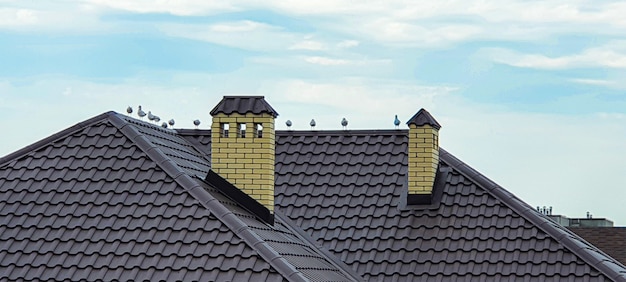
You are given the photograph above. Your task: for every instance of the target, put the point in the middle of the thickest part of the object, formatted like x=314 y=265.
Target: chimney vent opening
x=242 y=130
x=259 y=130
x=224 y=129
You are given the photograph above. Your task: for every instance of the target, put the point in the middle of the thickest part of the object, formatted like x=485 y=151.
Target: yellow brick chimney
x=423 y=157
x=243 y=145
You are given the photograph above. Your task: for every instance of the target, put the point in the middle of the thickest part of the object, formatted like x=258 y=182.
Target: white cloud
x=324 y=61
x=179 y=7
x=18 y=17
x=310 y=45
x=246 y=34
x=348 y=44
x=610 y=55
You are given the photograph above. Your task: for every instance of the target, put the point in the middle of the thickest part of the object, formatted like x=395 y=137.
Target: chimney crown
x=423 y=117
x=243 y=105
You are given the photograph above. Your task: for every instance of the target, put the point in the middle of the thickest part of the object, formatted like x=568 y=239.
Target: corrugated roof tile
x=345 y=204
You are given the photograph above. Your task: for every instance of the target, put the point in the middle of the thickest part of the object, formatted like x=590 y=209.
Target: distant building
x=598 y=231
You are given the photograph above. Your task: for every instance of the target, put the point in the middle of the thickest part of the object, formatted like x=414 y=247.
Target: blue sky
x=531 y=93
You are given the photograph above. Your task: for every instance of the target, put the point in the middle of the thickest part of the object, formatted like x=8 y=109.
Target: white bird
x=141 y=113
x=312 y=123
x=288 y=123
x=344 y=123
x=196 y=122
x=150 y=116
x=157 y=119
x=171 y=122
x=129 y=110
x=164 y=124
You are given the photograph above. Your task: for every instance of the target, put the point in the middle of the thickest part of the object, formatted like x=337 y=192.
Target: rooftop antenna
x=344 y=124
x=141 y=113
x=196 y=123
x=396 y=122
x=312 y=123
x=171 y=123
x=288 y=123
x=129 y=110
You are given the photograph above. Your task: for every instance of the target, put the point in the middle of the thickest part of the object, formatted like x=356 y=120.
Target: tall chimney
x=423 y=157
x=243 y=145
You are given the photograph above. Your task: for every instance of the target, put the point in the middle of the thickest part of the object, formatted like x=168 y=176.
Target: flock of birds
x=156 y=119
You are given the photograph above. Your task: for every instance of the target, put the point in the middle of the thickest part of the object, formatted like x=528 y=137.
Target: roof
x=611 y=240
x=114 y=198
x=118 y=198
x=243 y=105
x=350 y=194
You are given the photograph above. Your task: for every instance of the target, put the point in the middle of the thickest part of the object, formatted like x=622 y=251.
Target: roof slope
x=117 y=198
x=349 y=196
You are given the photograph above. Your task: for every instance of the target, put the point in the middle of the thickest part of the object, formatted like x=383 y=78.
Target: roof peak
x=243 y=105
x=423 y=117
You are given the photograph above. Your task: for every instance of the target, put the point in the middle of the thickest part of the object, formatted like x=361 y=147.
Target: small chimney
x=243 y=146
x=423 y=157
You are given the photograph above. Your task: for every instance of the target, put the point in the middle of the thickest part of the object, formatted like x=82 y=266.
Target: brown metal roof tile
x=345 y=205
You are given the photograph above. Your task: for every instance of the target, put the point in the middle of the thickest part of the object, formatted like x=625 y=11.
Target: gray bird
x=171 y=122
x=312 y=123
x=164 y=124
x=157 y=119
x=196 y=122
x=288 y=123
x=141 y=113
x=150 y=116
x=129 y=110
x=396 y=121
x=344 y=123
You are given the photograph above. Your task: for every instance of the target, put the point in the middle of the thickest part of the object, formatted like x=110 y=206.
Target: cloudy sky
x=530 y=93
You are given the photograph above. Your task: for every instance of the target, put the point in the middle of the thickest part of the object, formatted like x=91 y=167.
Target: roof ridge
x=50 y=139
x=351 y=132
x=195 y=189
x=568 y=239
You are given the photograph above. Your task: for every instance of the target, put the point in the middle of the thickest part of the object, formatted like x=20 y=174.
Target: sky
x=529 y=93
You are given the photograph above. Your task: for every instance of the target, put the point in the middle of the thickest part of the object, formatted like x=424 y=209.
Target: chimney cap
x=423 y=117
x=243 y=105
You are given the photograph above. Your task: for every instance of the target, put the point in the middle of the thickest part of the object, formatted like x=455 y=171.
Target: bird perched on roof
x=196 y=123
x=157 y=119
x=312 y=123
x=396 y=121
x=171 y=122
x=141 y=113
x=129 y=110
x=344 y=123
x=150 y=116
x=164 y=124
x=288 y=123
